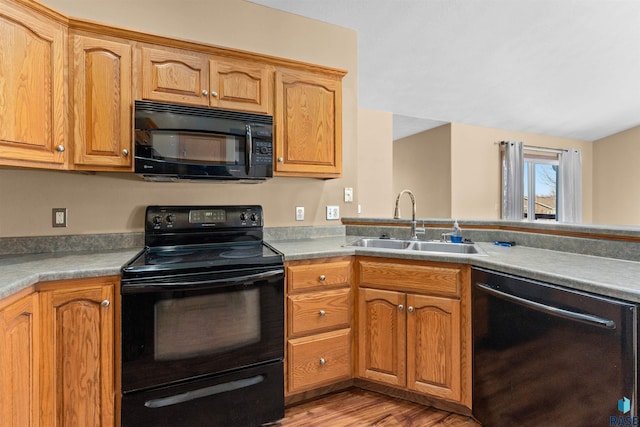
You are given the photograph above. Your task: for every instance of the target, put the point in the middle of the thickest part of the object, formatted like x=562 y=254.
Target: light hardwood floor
x=360 y=408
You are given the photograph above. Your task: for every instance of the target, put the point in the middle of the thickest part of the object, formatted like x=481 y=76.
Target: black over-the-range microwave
x=176 y=142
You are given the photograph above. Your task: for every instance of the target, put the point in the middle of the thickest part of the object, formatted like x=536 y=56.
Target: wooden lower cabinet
x=319 y=318
x=77 y=353
x=19 y=392
x=412 y=335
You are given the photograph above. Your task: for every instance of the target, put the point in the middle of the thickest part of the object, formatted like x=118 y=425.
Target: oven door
x=176 y=328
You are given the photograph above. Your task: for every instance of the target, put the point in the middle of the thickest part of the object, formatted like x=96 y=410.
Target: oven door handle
x=201 y=284
x=203 y=392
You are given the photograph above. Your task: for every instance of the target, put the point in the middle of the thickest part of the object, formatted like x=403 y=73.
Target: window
x=541 y=183
x=540 y=186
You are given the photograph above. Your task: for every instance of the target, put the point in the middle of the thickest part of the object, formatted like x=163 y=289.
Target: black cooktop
x=188 y=257
x=197 y=239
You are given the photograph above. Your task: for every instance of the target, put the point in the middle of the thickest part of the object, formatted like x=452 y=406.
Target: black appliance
x=176 y=142
x=544 y=355
x=203 y=321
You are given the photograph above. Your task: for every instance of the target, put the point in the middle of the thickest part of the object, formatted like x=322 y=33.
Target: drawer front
x=315 y=312
x=318 y=360
x=433 y=280
x=318 y=276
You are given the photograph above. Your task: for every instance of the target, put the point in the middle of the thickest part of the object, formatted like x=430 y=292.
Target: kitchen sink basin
x=419 y=246
x=382 y=243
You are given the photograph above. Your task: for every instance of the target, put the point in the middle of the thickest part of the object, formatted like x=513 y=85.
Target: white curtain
x=512 y=180
x=570 y=186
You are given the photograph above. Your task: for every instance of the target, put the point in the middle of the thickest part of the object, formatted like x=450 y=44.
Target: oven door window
x=206 y=324
x=201 y=148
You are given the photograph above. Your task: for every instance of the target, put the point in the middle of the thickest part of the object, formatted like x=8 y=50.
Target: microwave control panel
x=263 y=152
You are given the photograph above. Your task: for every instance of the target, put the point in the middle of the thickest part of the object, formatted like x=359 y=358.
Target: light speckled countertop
x=600 y=275
x=18 y=272
x=604 y=276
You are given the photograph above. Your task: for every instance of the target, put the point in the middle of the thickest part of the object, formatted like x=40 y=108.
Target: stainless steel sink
x=454 y=248
x=419 y=246
x=382 y=243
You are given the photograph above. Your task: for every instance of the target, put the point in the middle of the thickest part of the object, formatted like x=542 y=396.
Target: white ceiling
x=567 y=68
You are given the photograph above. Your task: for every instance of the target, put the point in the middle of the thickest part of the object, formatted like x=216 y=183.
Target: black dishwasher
x=545 y=355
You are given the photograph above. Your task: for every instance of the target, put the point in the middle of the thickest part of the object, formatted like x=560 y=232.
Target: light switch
x=299 y=213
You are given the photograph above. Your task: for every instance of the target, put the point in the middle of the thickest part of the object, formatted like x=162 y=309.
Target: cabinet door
x=308 y=118
x=382 y=336
x=19 y=401
x=77 y=356
x=433 y=346
x=101 y=103
x=173 y=75
x=241 y=85
x=32 y=103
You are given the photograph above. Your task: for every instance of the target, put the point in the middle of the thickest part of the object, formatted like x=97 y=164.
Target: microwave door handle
x=248 y=150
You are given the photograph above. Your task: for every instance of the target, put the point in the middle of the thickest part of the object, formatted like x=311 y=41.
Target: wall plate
x=333 y=212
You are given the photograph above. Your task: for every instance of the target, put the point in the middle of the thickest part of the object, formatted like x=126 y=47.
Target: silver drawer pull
x=105 y=303
x=400 y=307
x=323 y=277
x=322 y=313
x=323 y=361
x=410 y=309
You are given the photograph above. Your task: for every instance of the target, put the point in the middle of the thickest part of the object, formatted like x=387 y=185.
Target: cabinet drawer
x=434 y=280
x=318 y=276
x=318 y=311
x=318 y=359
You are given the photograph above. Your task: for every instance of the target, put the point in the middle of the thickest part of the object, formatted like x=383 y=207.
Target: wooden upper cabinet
x=19 y=388
x=241 y=85
x=173 y=75
x=101 y=103
x=308 y=124
x=188 y=77
x=32 y=105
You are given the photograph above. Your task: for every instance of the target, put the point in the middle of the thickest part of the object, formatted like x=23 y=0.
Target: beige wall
x=106 y=203
x=475 y=182
x=375 y=163
x=422 y=164
x=616 y=178
x=454 y=170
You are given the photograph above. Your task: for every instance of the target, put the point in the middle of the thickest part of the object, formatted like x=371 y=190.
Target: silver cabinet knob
x=410 y=309
x=280 y=159
x=322 y=313
x=400 y=307
x=323 y=361
x=205 y=92
x=105 y=303
x=125 y=152
x=214 y=94
x=60 y=148
x=322 y=277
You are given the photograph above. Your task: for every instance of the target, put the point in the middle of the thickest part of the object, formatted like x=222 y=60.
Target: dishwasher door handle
x=555 y=311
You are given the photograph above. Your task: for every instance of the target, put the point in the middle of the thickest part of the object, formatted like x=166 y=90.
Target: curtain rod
x=539 y=149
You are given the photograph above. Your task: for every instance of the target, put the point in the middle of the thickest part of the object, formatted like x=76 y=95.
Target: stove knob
x=171 y=218
x=254 y=217
x=157 y=220
x=243 y=216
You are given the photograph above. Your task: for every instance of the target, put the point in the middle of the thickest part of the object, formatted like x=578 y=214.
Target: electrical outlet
x=348 y=194
x=299 y=213
x=59 y=217
x=333 y=212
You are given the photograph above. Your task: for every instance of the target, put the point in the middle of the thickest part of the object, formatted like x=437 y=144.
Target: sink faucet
x=396 y=214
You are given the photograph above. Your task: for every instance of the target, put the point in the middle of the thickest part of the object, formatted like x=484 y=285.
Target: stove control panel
x=193 y=218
